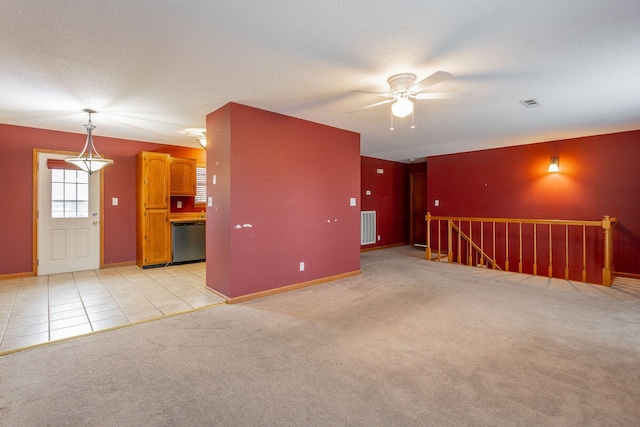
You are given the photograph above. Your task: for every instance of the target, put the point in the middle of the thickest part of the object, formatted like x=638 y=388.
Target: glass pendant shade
x=554 y=165
x=402 y=107
x=89 y=160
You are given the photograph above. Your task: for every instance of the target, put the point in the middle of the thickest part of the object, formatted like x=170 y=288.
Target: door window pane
x=70 y=176
x=57 y=191
x=83 y=209
x=83 y=191
x=69 y=194
x=70 y=191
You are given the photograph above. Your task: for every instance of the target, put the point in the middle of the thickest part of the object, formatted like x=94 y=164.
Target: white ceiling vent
x=530 y=103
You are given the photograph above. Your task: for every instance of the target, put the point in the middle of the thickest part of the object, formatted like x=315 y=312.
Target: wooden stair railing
x=478 y=249
x=472 y=247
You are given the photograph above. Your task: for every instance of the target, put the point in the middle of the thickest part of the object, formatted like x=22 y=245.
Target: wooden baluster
x=494 y=246
x=469 y=254
x=566 y=252
x=550 y=254
x=439 y=241
x=450 y=241
x=481 y=243
x=506 y=233
x=584 y=253
x=535 y=250
x=428 y=251
x=459 y=260
x=520 y=262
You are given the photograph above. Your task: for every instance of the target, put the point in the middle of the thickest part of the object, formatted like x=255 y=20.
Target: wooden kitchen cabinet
x=183 y=177
x=157 y=240
x=153 y=229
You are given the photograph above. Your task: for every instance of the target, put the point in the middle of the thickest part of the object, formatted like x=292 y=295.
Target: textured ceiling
x=153 y=67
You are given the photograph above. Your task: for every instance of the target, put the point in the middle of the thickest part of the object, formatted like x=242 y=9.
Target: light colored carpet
x=408 y=342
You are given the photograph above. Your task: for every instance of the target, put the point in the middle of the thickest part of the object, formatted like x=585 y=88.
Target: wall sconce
x=554 y=164
x=203 y=141
x=89 y=160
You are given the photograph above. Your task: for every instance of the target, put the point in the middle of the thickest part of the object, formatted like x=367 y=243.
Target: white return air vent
x=531 y=103
x=367 y=227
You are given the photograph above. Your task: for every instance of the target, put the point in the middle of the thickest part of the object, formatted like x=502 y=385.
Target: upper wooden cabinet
x=183 y=177
x=153 y=180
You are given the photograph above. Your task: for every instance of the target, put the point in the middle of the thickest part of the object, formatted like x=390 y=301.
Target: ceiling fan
x=200 y=134
x=403 y=88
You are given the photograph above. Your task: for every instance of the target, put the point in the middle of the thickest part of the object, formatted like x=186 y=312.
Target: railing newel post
x=607 y=270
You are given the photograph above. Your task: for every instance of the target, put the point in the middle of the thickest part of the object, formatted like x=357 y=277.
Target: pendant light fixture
x=89 y=160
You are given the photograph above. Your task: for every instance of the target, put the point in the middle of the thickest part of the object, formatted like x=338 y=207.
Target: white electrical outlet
x=436 y=202
x=114 y=201
x=302 y=266
x=179 y=204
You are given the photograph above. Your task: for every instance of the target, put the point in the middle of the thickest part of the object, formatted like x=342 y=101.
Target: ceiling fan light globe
x=402 y=107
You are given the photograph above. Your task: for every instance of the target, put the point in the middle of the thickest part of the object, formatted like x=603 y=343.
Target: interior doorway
x=68 y=216
x=418 y=209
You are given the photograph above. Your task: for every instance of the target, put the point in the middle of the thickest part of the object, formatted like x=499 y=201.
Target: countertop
x=186 y=217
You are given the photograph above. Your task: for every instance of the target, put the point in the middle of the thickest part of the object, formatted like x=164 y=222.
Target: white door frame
x=36 y=153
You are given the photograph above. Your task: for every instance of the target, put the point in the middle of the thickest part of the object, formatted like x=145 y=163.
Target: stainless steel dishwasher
x=188 y=241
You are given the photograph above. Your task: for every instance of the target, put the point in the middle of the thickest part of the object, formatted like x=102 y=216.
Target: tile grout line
x=84 y=307
x=13 y=303
x=115 y=299
x=168 y=290
x=48 y=308
x=140 y=293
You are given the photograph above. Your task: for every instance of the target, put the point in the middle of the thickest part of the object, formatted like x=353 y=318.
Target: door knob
x=95 y=222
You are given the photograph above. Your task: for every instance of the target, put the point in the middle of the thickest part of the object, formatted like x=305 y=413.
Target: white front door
x=68 y=218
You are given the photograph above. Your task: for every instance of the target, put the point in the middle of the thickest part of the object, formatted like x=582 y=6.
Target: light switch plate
x=210 y=201
x=352 y=201
x=114 y=201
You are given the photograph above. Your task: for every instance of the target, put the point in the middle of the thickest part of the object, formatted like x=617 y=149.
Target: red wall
x=16 y=183
x=219 y=192
x=599 y=175
x=389 y=198
x=281 y=197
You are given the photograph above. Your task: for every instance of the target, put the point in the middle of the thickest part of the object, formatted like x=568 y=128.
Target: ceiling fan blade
x=372 y=92
x=442 y=95
x=434 y=78
x=373 y=105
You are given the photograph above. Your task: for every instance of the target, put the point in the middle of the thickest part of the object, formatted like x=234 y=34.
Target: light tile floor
x=41 y=309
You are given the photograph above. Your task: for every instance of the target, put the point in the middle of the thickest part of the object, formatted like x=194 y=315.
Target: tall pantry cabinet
x=153 y=231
